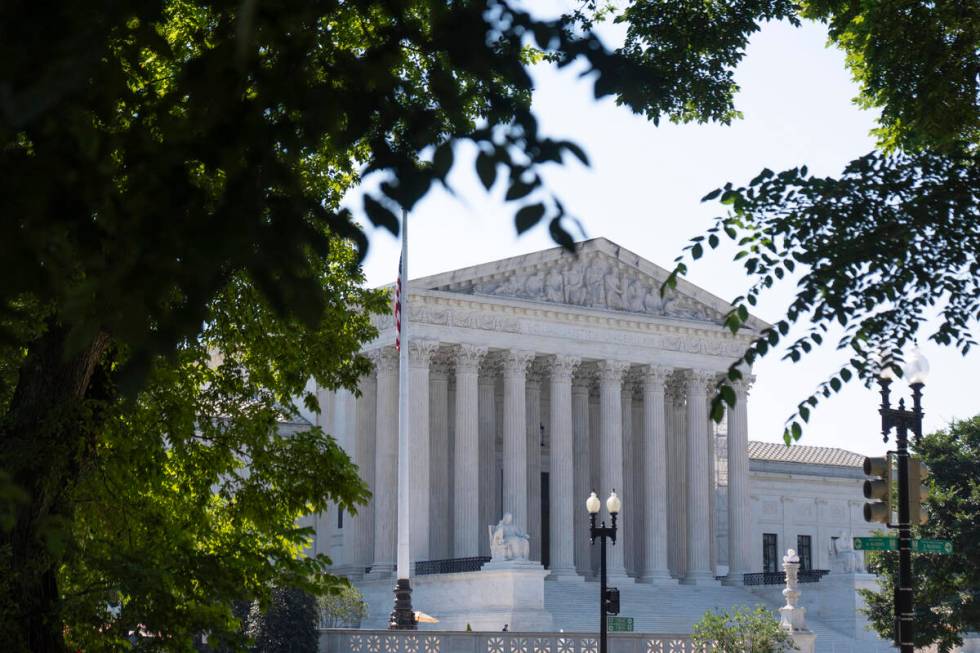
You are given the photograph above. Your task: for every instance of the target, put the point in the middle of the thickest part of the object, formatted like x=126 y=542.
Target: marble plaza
x=534 y=380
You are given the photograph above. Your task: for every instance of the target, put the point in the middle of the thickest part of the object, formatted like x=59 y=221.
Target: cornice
x=524 y=317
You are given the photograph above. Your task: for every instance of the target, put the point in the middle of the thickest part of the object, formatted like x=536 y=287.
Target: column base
x=661 y=577
x=734 y=579
x=565 y=575
x=704 y=578
x=380 y=570
x=617 y=578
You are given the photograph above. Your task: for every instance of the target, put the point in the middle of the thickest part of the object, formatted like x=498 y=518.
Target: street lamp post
x=904 y=420
x=613 y=505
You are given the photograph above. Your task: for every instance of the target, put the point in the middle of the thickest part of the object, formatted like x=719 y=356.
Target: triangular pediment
x=601 y=275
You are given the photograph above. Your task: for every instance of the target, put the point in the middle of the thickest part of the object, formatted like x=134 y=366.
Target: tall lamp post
x=903 y=420
x=608 y=597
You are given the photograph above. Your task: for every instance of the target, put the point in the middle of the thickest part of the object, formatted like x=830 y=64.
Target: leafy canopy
x=947 y=587
x=890 y=242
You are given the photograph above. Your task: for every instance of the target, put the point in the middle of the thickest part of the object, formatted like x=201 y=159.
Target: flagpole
x=403 y=616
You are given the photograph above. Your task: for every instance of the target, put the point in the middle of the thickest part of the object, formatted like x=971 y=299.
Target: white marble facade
x=562 y=369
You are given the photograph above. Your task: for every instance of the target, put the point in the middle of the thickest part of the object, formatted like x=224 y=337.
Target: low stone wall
x=387 y=641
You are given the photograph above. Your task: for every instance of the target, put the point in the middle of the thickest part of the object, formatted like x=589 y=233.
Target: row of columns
x=596 y=442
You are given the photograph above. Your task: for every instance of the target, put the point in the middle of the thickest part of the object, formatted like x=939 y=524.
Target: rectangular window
x=770 y=553
x=805 y=550
x=340 y=518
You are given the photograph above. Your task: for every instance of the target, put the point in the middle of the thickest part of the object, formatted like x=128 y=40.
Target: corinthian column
x=532 y=407
x=629 y=485
x=439 y=533
x=515 y=364
x=655 y=477
x=583 y=484
x=739 y=534
x=487 y=391
x=466 y=499
x=611 y=456
x=561 y=478
x=362 y=524
x=676 y=475
x=419 y=355
x=386 y=464
x=698 y=482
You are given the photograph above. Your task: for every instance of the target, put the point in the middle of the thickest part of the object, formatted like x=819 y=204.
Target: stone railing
x=779 y=577
x=422 y=641
x=450 y=565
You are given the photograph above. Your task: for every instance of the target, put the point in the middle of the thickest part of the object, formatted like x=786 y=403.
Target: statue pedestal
x=506 y=565
x=512 y=594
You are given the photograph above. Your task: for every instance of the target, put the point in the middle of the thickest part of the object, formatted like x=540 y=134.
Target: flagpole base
x=403 y=616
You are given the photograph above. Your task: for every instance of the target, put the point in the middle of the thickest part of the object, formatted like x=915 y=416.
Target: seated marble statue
x=508 y=542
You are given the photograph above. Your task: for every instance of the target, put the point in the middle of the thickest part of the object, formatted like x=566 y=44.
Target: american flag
x=398 y=307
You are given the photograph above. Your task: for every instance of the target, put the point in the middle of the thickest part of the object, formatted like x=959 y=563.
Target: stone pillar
x=639 y=499
x=419 y=355
x=739 y=508
x=487 y=391
x=439 y=533
x=466 y=499
x=676 y=396
x=561 y=478
x=386 y=464
x=611 y=458
x=532 y=408
x=699 y=570
x=593 y=462
x=629 y=486
x=582 y=484
x=655 y=568
x=515 y=364
x=362 y=524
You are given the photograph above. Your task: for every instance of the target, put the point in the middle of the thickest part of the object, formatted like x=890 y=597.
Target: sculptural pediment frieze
x=594 y=280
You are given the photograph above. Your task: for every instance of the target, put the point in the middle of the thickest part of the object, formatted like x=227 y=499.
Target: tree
x=288 y=625
x=741 y=631
x=167 y=164
x=947 y=587
x=892 y=240
x=343 y=608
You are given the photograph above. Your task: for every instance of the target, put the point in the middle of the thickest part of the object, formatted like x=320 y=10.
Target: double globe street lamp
x=608 y=597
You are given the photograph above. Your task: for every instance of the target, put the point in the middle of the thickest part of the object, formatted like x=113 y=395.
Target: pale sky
x=642 y=191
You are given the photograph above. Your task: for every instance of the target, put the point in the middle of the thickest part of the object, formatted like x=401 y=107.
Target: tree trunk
x=46 y=439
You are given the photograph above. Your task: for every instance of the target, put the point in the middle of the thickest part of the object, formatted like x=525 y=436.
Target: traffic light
x=918 y=473
x=879 y=490
x=612 y=600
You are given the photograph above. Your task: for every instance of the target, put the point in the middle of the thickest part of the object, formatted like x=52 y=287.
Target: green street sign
x=932 y=546
x=875 y=543
x=620 y=624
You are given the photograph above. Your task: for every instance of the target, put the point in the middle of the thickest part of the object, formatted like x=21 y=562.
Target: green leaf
x=528 y=216
x=486 y=169
x=380 y=215
x=712 y=195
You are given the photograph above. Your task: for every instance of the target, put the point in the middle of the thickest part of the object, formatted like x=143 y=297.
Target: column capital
x=699 y=382
x=468 y=357
x=743 y=386
x=561 y=367
x=385 y=360
x=420 y=352
x=655 y=377
x=440 y=364
x=515 y=362
x=612 y=371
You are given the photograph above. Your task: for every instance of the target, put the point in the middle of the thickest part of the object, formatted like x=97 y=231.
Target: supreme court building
x=538 y=378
